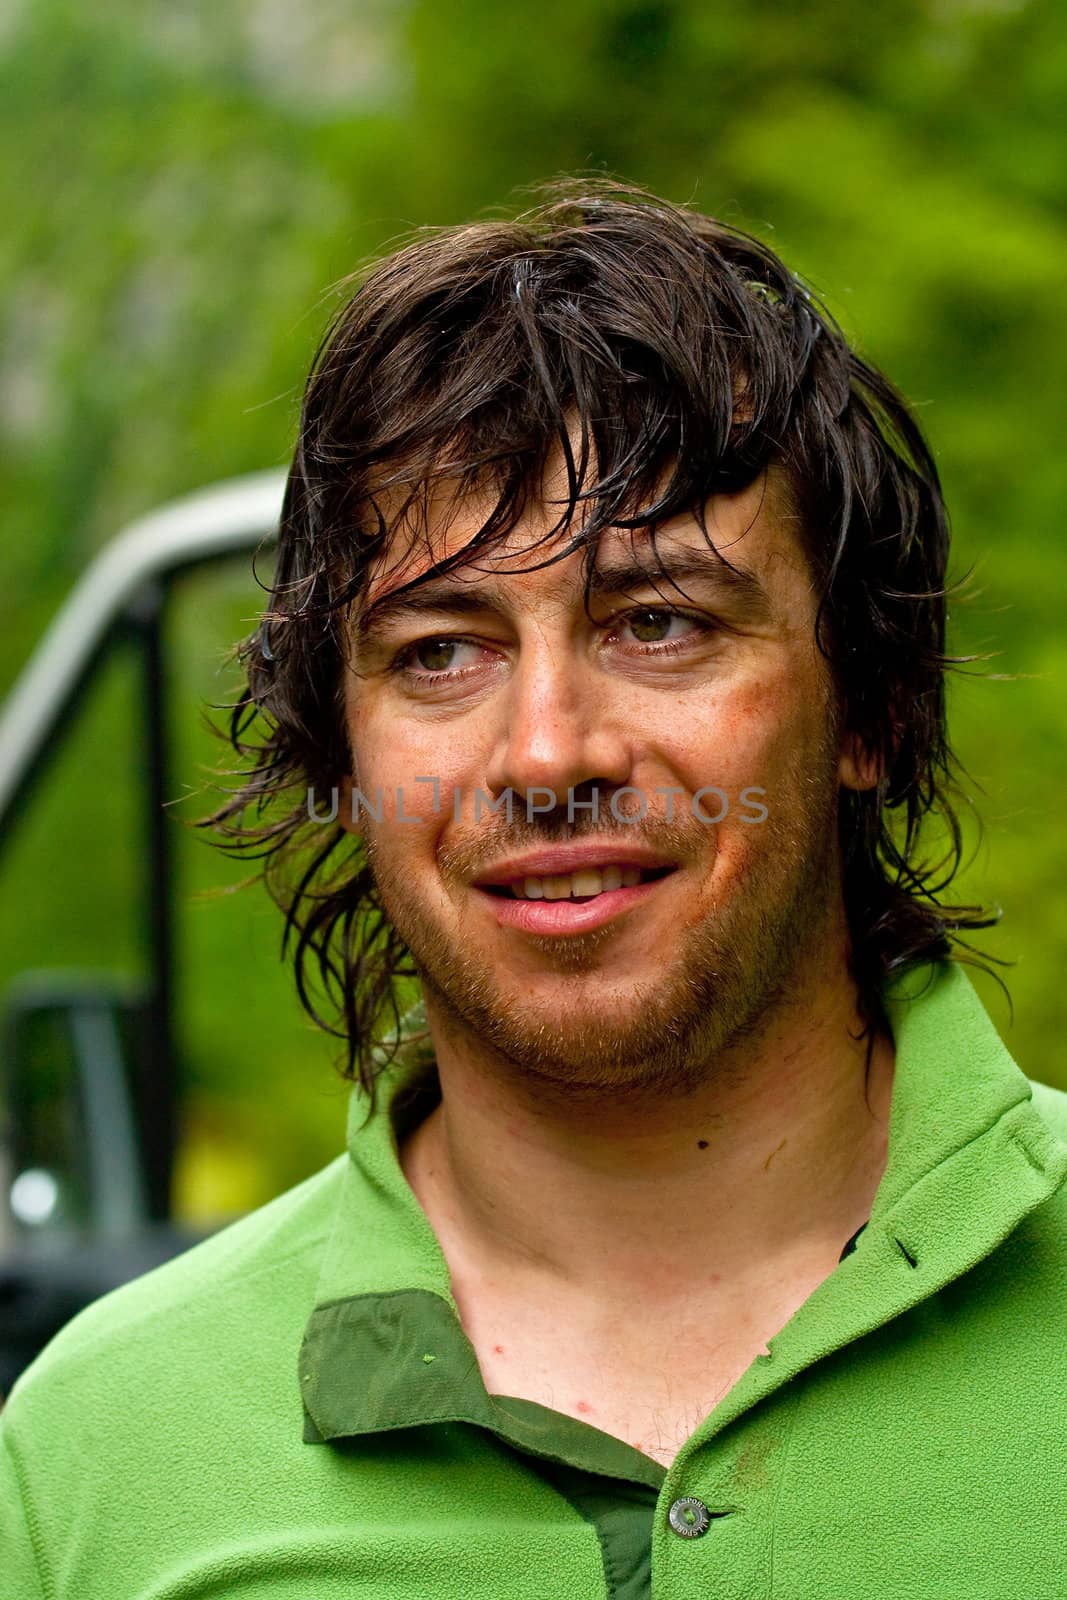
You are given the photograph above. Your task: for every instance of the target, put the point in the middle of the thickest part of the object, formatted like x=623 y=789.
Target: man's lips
x=561 y=860
x=565 y=914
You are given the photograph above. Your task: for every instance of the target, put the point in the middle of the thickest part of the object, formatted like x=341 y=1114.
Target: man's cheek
x=399 y=801
x=746 y=845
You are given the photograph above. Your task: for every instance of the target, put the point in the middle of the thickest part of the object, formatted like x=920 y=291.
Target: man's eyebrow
x=739 y=586
x=436 y=594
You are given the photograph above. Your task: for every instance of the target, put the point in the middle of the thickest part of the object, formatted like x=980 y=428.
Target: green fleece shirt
x=293 y=1409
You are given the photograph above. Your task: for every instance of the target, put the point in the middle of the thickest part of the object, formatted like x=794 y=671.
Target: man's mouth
x=585 y=884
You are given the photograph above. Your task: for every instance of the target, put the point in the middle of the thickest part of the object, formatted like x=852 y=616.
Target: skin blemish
x=583 y=1405
x=498 y=1349
x=773 y=1153
x=702 y=1144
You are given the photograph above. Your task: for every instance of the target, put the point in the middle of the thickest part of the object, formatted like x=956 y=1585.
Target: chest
x=655 y=1414
x=653 y=1393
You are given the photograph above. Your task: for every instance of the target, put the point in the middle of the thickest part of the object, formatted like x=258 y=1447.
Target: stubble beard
x=738 y=970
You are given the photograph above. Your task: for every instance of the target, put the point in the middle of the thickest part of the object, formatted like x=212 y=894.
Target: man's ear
x=857 y=768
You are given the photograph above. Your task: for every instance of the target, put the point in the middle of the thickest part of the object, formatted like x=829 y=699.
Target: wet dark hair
x=682 y=358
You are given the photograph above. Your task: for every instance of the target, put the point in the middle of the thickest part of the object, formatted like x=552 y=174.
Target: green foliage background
x=182 y=184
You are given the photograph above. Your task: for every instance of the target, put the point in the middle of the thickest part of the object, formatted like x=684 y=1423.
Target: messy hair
x=669 y=358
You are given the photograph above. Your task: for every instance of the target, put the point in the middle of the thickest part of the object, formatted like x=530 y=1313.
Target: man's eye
x=652 y=625
x=431 y=657
x=434 y=655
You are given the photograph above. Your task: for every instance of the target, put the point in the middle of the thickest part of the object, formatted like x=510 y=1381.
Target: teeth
x=587 y=881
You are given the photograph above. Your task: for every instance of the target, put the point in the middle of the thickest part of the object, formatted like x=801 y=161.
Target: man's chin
x=595 y=1036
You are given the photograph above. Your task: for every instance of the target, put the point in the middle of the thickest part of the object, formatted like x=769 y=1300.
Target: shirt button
x=689 y=1517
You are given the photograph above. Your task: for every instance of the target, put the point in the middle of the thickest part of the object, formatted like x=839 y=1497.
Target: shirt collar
x=969 y=1157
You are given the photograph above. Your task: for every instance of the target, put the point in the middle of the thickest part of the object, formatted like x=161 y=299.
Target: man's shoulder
x=256 y=1274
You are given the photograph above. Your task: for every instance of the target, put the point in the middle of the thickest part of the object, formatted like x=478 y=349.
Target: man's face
x=494 y=678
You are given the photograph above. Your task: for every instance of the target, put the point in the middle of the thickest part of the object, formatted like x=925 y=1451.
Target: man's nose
x=557 y=729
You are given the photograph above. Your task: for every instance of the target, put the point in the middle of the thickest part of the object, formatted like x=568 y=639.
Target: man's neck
x=771 y=1165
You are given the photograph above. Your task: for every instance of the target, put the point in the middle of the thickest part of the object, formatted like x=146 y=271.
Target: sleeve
x=18 y=1560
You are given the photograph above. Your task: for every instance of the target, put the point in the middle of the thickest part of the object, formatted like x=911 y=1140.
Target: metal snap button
x=689 y=1517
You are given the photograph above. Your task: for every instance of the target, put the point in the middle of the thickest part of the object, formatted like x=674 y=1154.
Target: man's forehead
x=751 y=531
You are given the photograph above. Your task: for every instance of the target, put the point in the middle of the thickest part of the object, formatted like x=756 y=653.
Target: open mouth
x=586 y=884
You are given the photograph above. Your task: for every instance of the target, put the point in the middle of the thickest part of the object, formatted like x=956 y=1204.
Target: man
x=696 y=1233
